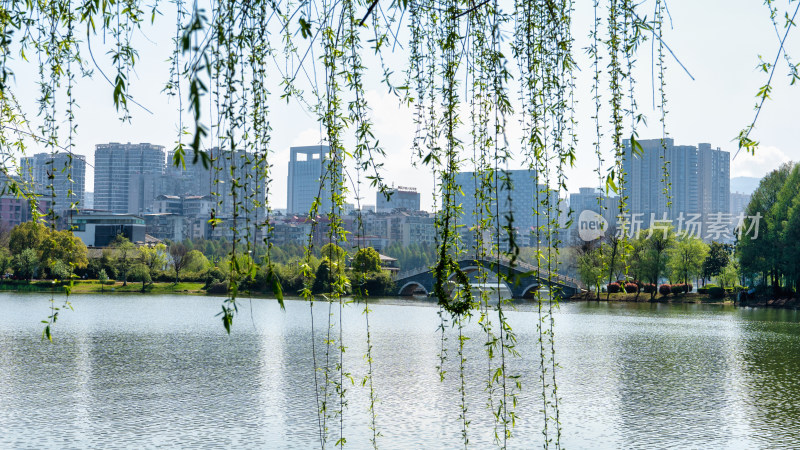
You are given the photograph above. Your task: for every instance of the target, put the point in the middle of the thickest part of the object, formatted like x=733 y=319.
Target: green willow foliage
x=473 y=68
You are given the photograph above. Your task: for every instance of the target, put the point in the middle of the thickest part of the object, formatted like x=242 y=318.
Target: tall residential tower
x=68 y=179
x=123 y=174
x=668 y=179
x=532 y=205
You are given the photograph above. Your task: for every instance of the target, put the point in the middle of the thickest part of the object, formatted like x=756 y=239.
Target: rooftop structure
x=406 y=198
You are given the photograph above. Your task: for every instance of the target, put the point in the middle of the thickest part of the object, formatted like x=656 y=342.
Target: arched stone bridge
x=523 y=279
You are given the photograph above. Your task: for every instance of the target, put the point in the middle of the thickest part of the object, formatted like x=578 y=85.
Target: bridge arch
x=469 y=270
x=530 y=291
x=411 y=287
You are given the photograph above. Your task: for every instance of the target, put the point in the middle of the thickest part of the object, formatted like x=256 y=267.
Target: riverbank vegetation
x=764 y=260
x=97 y=287
x=57 y=261
x=641 y=296
x=657 y=255
x=770 y=259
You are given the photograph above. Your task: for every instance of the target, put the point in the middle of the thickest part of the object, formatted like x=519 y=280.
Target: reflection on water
x=160 y=371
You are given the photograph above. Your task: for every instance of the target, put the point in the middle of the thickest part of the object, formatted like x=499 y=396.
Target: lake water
x=159 y=371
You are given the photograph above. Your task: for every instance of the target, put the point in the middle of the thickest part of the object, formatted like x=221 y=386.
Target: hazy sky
x=718 y=41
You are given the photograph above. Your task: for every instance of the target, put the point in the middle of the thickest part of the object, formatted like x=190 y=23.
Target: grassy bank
x=94 y=287
x=111 y=287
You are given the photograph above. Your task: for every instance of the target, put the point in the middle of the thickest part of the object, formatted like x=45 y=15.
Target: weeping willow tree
x=470 y=70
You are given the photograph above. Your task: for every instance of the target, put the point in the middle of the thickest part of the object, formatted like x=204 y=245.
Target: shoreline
x=691 y=298
x=642 y=300
x=83 y=287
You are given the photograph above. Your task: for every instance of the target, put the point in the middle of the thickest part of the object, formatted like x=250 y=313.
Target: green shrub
x=290 y=276
x=679 y=288
x=164 y=276
x=217 y=287
x=214 y=275
x=26 y=264
x=192 y=277
x=375 y=284
x=102 y=277
x=60 y=271
x=716 y=292
x=326 y=277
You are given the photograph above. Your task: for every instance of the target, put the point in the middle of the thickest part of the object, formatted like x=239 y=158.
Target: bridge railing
x=414 y=271
x=543 y=274
x=527 y=267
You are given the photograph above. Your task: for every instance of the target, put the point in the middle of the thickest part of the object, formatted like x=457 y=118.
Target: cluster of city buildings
x=668 y=184
x=137 y=193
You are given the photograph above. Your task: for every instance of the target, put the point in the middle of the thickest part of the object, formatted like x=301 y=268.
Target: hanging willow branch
x=459 y=72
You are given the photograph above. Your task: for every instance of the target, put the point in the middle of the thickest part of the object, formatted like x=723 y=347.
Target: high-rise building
x=668 y=179
x=144 y=188
x=122 y=170
x=192 y=178
x=14 y=209
x=739 y=202
x=714 y=168
x=591 y=199
x=532 y=204
x=68 y=178
x=662 y=179
x=216 y=182
x=596 y=200
x=310 y=176
x=406 y=198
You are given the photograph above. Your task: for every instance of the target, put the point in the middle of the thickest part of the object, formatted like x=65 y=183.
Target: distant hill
x=745 y=185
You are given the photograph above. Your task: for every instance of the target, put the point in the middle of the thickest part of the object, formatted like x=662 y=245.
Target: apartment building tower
x=667 y=180
x=714 y=168
x=122 y=173
x=739 y=202
x=533 y=205
x=68 y=180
